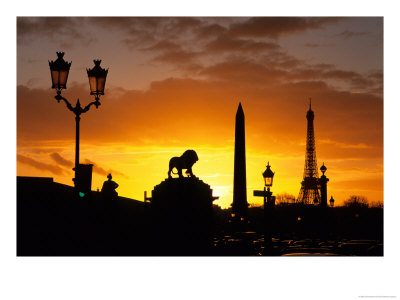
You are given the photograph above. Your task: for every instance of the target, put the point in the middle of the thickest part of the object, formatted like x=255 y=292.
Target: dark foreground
x=52 y=221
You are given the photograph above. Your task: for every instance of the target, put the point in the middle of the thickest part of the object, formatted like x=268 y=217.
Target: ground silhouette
x=53 y=221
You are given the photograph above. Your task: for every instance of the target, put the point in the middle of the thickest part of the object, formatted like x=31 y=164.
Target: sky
x=175 y=84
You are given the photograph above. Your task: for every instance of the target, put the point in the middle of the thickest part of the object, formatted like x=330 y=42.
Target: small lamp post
x=59 y=70
x=331 y=201
x=323 y=182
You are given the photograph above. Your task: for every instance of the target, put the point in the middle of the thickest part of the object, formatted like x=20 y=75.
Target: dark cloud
x=274 y=27
x=312 y=45
x=60 y=160
x=177 y=57
x=228 y=44
x=323 y=66
x=101 y=171
x=277 y=67
x=145 y=32
x=347 y=34
x=37 y=107
x=376 y=75
x=65 y=28
x=164 y=45
x=39 y=165
x=244 y=72
x=181 y=25
x=210 y=31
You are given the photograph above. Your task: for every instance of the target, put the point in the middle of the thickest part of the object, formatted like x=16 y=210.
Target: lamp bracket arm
x=87 y=107
x=69 y=106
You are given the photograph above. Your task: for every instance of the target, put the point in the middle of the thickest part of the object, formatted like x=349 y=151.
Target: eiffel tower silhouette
x=310 y=187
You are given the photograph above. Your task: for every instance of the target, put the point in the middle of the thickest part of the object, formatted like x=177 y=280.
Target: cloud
x=101 y=171
x=312 y=45
x=344 y=145
x=275 y=27
x=210 y=31
x=177 y=57
x=164 y=45
x=190 y=110
x=227 y=44
x=54 y=28
x=244 y=71
x=60 y=160
x=39 y=165
x=147 y=30
x=347 y=34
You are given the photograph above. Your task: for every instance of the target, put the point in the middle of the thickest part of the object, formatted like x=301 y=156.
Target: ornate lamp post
x=269 y=203
x=323 y=185
x=59 y=70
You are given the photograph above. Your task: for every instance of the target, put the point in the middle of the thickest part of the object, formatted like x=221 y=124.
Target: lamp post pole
x=59 y=70
x=77 y=110
x=268 y=215
x=268 y=176
x=77 y=120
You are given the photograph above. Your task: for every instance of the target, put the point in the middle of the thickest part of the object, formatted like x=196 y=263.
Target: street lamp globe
x=323 y=169
x=59 y=70
x=268 y=176
x=97 y=79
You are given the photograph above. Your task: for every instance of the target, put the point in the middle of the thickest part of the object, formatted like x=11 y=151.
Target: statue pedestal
x=182 y=217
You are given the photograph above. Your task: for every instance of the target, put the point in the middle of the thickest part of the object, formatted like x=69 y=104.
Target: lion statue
x=185 y=161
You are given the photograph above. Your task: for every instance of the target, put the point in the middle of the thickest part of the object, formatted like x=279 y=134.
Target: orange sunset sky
x=175 y=84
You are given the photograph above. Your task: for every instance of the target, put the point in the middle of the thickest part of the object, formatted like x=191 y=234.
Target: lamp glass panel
x=268 y=181
x=54 y=79
x=101 y=81
x=93 y=84
x=63 y=76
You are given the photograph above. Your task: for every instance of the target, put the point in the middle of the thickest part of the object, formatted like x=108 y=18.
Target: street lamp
x=268 y=176
x=59 y=70
x=332 y=201
x=97 y=80
x=323 y=182
x=323 y=169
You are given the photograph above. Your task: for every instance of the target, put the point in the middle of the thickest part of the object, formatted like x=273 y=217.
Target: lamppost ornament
x=323 y=169
x=59 y=70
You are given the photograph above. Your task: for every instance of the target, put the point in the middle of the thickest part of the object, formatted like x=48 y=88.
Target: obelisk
x=239 y=205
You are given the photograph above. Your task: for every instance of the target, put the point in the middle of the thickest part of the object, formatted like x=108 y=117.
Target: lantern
x=97 y=79
x=268 y=176
x=59 y=70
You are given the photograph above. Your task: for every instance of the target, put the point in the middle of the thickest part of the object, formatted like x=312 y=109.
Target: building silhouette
x=310 y=187
x=240 y=205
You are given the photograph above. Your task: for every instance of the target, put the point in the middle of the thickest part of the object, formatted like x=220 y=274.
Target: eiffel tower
x=310 y=187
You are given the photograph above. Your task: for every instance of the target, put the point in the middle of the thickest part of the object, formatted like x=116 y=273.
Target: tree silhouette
x=356 y=201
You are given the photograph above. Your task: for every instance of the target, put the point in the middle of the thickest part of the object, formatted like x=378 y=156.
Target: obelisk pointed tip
x=240 y=109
